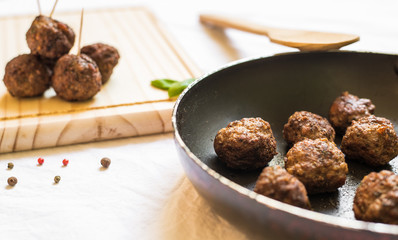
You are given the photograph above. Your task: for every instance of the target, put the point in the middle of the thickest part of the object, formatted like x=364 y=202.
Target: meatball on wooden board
x=273 y=88
x=127 y=105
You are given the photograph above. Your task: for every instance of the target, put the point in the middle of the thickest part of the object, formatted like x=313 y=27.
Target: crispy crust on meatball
x=303 y=124
x=372 y=140
x=318 y=164
x=76 y=78
x=105 y=56
x=376 y=198
x=49 y=38
x=346 y=108
x=275 y=182
x=245 y=144
x=26 y=76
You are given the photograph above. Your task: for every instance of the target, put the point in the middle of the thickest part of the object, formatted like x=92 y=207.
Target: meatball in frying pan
x=372 y=140
x=346 y=108
x=276 y=183
x=246 y=144
x=306 y=125
x=376 y=198
x=26 y=76
x=318 y=164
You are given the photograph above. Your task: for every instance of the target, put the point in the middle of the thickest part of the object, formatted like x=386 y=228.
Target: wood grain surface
x=126 y=106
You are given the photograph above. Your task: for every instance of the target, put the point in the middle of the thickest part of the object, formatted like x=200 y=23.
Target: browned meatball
x=26 y=76
x=276 y=183
x=105 y=56
x=49 y=38
x=318 y=164
x=346 y=108
x=49 y=62
x=372 y=140
x=302 y=125
x=246 y=144
x=76 y=78
x=376 y=198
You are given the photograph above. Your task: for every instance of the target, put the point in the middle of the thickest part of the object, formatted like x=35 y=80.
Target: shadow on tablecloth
x=187 y=215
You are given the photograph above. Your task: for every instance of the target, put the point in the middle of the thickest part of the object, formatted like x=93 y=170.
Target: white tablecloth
x=144 y=194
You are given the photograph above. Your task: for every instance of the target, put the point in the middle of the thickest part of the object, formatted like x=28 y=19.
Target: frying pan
x=273 y=88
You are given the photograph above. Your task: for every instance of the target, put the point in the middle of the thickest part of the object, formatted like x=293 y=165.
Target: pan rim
x=341 y=222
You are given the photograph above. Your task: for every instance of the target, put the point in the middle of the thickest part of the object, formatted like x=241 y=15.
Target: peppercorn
x=105 y=162
x=10 y=165
x=57 y=179
x=65 y=162
x=12 y=181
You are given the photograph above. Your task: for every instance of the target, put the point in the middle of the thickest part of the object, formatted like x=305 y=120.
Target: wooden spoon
x=303 y=40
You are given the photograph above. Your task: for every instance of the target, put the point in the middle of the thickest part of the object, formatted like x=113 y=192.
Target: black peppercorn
x=10 y=165
x=57 y=179
x=12 y=181
x=105 y=162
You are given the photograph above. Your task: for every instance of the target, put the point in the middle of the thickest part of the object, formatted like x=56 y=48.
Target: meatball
x=49 y=38
x=376 y=198
x=302 y=125
x=346 y=108
x=76 y=78
x=276 y=183
x=246 y=144
x=372 y=140
x=105 y=56
x=49 y=62
x=26 y=76
x=318 y=164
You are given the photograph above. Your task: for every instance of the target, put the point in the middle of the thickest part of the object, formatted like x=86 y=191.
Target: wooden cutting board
x=126 y=106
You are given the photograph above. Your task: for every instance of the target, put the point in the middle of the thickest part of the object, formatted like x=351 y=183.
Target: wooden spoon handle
x=226 y=22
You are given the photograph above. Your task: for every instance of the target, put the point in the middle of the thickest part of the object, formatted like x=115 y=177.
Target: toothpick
x=52 y=11
x=38 y=5
x=80 y=33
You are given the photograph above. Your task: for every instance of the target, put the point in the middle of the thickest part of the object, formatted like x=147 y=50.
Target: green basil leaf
x=177 y=88
x=163 y=83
